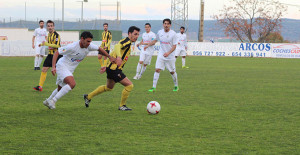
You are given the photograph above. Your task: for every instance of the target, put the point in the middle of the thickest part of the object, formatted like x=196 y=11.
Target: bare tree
x=251 y=20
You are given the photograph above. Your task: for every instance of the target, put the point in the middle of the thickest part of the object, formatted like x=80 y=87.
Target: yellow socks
x=98 y=91
x=125 y=93
x=105 y=62
x=101 y=62
x=43 y=78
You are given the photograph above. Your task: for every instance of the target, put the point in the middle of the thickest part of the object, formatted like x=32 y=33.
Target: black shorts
x=116 y=75
x=107 y=51
x=48 y=60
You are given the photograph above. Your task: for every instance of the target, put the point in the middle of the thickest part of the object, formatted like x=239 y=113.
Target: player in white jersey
x=166 y=55
x=73 y=54
x=39 y=36
x=145 y=55
x=181 y=47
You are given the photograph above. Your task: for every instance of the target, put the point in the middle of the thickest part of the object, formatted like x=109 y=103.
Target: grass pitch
x=225 y=105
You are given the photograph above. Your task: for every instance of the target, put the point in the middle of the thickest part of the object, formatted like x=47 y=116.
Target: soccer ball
x=153 y=107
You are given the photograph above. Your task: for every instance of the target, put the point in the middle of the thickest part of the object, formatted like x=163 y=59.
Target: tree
x=251 y=20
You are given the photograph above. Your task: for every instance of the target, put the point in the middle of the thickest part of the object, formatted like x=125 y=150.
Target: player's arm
x=55 y=45
x=54 y=59
x=103 y=52
x=150 y=44
x=172 y=50
x=140 y=43
x=33 y=38
x=109 y=40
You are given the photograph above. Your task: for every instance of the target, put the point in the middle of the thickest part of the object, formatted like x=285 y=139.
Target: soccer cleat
x=86 y=100
x=176 y=88
x=35 y=68
x=152 y=89
x=185 y=67
x=38 y=88
x=38 y=68
x=124 y=108
x=46 y=103
x=140 y=76
x=136 y=77
x=51 y=104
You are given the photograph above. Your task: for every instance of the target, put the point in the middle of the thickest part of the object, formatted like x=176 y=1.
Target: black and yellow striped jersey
x=122 y=50
x=54 y=39
x=106 y=39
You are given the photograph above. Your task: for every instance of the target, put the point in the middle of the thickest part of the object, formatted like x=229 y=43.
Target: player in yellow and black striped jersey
x=53 y=43
x=114 y=70
x=106 y=41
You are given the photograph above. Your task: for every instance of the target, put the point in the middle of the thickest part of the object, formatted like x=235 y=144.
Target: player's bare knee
x=145 y=65
x=129 y=87
x=44 y=69
x=108 y=88
x=157 y=70
x=72 y=85
x=141 y=62
x=172 y=73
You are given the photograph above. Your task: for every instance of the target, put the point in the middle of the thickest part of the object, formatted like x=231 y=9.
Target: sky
x=130 y=9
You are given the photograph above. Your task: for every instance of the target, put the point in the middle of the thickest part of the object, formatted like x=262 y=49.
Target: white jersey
x=40 y=35
x=182 y=41
x=147 y=38
x=167 y=40
x=73 y=54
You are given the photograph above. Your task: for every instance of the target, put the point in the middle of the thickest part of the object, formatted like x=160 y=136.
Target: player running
x=106 y=41
x=181 y=48
x=39 y=36
x=73 y=54
x=114 y=71
x=53 y=44
x=166 y=55
x=146 y=51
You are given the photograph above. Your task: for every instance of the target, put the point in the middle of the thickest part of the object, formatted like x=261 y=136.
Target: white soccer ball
x=153 y=107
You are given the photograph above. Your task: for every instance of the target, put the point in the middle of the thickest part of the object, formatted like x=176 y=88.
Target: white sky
x=131 y=9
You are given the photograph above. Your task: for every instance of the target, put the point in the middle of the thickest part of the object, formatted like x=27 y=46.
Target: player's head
x=148 y=27
x=133 y=33
x=182 y=29
x=167 y=24
x=41 y=22
x=105 y=26
x=86 y=38
x=50 y=26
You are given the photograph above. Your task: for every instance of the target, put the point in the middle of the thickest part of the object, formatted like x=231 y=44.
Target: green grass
x=225 y=105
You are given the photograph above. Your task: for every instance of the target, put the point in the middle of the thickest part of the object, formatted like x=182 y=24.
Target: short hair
x=182 y=27
x=132 y=28
x=168 y=20
x=148 y=24
x=41 y=21
x=50 y=21
x=86 y=34
x=105 y=24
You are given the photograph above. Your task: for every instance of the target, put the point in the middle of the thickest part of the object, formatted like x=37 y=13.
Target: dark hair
x=86 y=34
x=182 y=27
x=148 y=24
x=50 y=21
x=168 y=20
x=41 y=21
x=132 y=28
x=105 y=24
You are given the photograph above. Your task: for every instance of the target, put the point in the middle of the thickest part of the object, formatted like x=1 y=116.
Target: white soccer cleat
x=51 y=104
x=46 y=103
x=139 y=77
x=136 y=77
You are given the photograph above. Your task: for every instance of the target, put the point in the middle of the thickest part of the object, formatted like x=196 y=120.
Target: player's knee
x=129 y=87
x=44 y=69
x=141 y=62
x=172 y=73
x=108 y=89
x=99 y=56
x=145 y=65
x=72 y=85
x=157 y=70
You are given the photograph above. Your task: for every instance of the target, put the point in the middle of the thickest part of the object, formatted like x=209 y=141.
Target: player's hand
x=146 y=47
x=102 y=70
x=53 y=71
x=112 y=59
x=166 y=54
x=42 y=44
x=33 y=46
x=119 y=61
x=137 y=45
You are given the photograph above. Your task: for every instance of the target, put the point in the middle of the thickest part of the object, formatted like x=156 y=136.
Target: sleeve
x=35 y=33
x=157 y=36
x=93 y=47
x=57 y=40
x=65 y=50
x=153 y=36
x=175 y=39
x=56 y=44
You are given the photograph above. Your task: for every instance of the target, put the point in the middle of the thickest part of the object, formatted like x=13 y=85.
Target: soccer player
x=181 y=48
x=166 y=55
x=114 y=71
x=145 y=55
x=73 y=54
x=39 y=36
x=53 y=44
x=106 y=41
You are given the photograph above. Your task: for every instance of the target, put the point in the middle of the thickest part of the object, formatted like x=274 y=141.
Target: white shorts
x=145 y=58
x=180 y=52
x=39 y=50
x=62 y=72
x=162 y=64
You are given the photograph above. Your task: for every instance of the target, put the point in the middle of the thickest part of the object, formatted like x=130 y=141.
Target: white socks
x=143 y=70
x=63 y=91
x=53 y=94
x=183 y=61
x=36 y=61
x=175 y=80
x=138 y=69
x=40 y=61
x=155 y=79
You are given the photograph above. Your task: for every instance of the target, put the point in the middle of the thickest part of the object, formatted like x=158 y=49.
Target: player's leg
x=183 y=54
x=160 y=65
x=41 y=56
x=170 y=65
x=105 y=59
x=36 y=58
x=139 y=65
x=100 y=59
x=128 y=86
x=46 y=102
x=146 y=62
x=42 y=79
